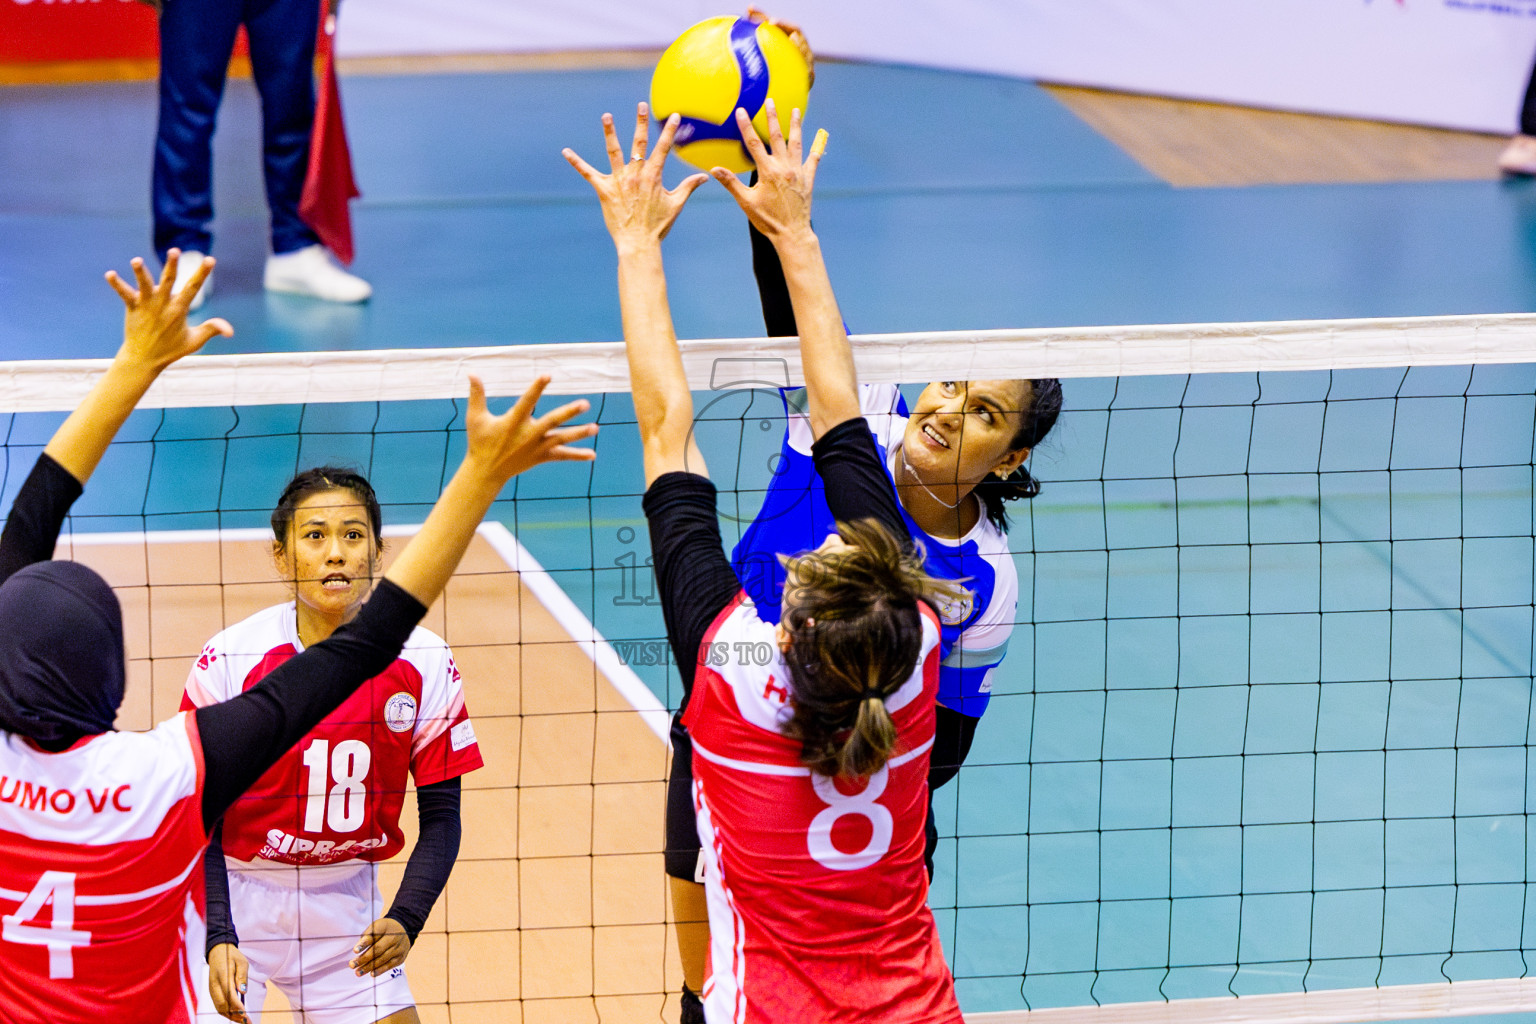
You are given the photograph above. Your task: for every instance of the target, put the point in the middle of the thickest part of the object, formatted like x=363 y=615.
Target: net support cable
x=289 y=378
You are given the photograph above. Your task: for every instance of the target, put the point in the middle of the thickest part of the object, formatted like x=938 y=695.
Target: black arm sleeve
x=221 y=920
x=32 y=530
x=772 y=291
x=245 y=736
x=431 y=861
x=858 y=486
x=694 y=579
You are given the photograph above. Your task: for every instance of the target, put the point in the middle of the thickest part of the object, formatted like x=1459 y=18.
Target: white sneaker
x=1520 y=156
x=311 y=271
x=190 y=261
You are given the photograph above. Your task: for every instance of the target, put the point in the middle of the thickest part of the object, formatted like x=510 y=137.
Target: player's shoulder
x=881 y=400
x=175 y=732
x=426 y=656
x=168 y=747
x=993 y=548
x=917 y=681
x=991 y=540
x=742 y=654
x=229 y=658
x=881 y=405
x=271 y=627
x=424 y=640
x=986 y=541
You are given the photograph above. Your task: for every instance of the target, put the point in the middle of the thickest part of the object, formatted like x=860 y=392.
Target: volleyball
x=713 y=68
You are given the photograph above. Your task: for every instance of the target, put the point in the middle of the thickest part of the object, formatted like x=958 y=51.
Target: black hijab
x=61 y=653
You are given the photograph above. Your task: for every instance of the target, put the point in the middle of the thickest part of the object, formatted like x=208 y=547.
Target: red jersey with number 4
x=101 y=881
x=337 y=795
x=817 y=893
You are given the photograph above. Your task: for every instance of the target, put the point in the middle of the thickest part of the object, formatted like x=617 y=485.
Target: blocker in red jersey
x=810 y=766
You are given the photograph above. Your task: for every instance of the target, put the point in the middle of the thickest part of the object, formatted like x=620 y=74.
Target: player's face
x=330 y=555
x=962 y=430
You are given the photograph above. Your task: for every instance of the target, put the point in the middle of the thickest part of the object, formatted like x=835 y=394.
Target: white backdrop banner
x=1453 y=63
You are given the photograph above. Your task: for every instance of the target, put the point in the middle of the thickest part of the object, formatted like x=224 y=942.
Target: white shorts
x=297 y=928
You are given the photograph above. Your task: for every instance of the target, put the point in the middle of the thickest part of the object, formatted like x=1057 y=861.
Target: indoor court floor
x=946 y=201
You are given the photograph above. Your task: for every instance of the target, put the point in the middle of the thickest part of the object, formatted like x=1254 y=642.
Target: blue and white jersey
x=795 y=518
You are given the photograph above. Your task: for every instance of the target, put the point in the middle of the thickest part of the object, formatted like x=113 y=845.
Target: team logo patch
x=400 y=712
x=955 y=610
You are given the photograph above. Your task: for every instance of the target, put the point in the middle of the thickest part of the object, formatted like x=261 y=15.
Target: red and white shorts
x=298 y=927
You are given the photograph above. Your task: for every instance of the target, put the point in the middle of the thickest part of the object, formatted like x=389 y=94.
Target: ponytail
x=870 y=742
x=856 y=632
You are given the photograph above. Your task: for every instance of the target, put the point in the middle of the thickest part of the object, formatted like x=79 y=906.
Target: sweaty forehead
x=1008 y=395
x=338 y=505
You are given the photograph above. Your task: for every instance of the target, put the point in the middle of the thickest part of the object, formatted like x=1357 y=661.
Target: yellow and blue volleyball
x=713 y=68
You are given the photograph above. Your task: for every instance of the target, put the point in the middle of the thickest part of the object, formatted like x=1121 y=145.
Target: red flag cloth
x=328 y=183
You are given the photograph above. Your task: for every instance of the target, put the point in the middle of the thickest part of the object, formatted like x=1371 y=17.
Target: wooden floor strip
x=1188 y=143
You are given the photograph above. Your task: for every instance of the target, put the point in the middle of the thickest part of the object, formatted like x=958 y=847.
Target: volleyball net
x=1263 y=729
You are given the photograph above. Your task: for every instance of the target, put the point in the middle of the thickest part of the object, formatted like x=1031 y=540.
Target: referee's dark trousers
x=1528 y=108
x=196 y=38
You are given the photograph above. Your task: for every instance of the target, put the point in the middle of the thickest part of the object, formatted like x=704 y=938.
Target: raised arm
x=243 y=737
x=155 y=335
x=639 y=211
x=779 y=206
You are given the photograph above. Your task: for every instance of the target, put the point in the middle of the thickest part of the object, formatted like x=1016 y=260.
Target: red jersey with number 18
x=337 y=795
x=101 y=881
x=817 y=891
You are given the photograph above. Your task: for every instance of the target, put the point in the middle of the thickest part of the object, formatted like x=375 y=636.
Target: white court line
x=559 y=604
x=1339 y=1006
x=538 y=580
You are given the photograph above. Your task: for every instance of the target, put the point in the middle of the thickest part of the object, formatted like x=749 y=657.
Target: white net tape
x=404 y=374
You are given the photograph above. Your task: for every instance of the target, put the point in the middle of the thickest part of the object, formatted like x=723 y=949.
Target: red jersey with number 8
x=101 y=881
x=817 y=891
x=337 y=795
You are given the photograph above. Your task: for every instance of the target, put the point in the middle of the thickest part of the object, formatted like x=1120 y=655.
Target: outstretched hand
x=155 y=329
x=503 y=446
x=780 y=203
x=636 y=206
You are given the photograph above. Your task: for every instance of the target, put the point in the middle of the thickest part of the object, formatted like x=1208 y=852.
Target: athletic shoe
x=311 y=271
x=1520 y=156
x=190 y=261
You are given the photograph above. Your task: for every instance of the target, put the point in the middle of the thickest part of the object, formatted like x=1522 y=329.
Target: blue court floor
x=1264 y=721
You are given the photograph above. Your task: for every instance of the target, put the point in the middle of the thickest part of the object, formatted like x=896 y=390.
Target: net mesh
x=1263 y=726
